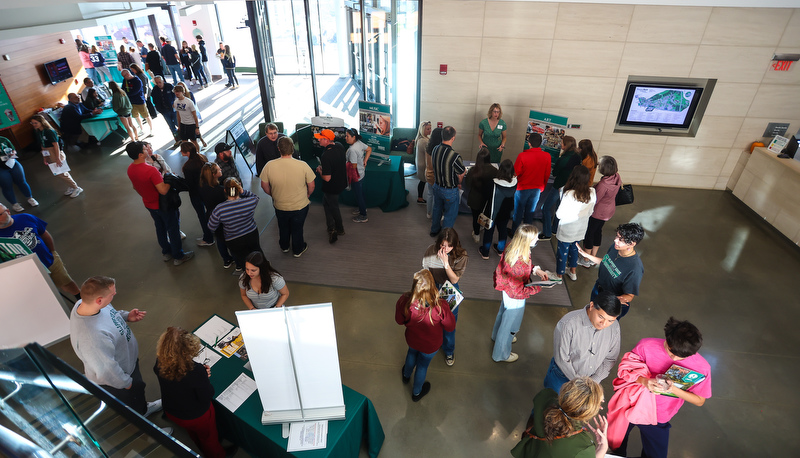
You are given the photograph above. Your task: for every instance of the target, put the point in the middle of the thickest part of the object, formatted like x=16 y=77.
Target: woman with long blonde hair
x=510 y=277
x=425 y=317
x=420 y=145
x=559 y=423
x=186 y=392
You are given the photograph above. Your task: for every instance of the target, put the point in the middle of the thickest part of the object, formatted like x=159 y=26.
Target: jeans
x=290 y=228
x=596 y=290
x=200 y=209
x=172 y=121
x=8 y=178
x=105 y=72
x=554 y=378
x=200 y=74
x=333 y=216
x=525 y=201
x=175 y=70
x=501 y=223
x=232 y=79
x=445 y=201
x=358 y=190
x=449 y=337
x=168 y=224
x=242 y=246
x=415 y=358
x=548 y=212
x=429 y=198
x=655 y=440
x=133 y=397
x=506 y=326
x=566 y=256
x=92 y=73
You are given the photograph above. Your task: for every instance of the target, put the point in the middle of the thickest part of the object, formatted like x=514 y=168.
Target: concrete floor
x=707 y=259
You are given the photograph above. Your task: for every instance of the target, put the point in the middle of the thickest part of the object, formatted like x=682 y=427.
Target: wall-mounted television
x=663 y=106
x=58 y=70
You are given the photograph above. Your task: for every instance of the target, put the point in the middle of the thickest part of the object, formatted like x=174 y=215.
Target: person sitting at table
x=72 y=115
x=261 y=286
x=93 y=99
x=186 y=392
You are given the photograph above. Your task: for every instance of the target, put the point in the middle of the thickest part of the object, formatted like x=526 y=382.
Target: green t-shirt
x=46 y=137
x=580 y=445
x=5 y=144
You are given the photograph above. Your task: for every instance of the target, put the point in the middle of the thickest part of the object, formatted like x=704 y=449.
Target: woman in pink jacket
x=606 y=193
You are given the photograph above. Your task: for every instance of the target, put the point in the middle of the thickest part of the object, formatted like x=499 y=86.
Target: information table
x=101 y=126
x=244 y=427
x=383 y=186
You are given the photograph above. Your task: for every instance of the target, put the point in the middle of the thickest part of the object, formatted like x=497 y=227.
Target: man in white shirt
x=189 y=128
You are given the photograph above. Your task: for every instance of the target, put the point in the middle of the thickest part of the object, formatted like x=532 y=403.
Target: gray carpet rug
x=384 y=253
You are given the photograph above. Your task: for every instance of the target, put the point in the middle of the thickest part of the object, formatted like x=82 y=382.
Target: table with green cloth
x=383 y=185
x=244 y=427
x=102 y=125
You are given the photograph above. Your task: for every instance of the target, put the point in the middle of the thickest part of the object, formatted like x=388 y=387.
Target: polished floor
x=707 y=259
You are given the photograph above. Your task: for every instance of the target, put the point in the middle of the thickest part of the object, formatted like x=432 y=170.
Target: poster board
x=237 y=136
x=105 y=44
x=31 y=305
x=8 y=114
x=550 y=127
x=295 y=361
x=375 y=126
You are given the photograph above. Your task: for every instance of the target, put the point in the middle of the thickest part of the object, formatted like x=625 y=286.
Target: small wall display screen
x=660 y=105
x=58 y=70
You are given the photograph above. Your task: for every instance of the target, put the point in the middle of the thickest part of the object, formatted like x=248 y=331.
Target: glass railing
x=47 y=408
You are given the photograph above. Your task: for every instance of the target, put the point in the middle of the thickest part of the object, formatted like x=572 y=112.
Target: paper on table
x=213 y=330
x=207 y=357
x=310 y=435
x=238 y=392
x=64 y=168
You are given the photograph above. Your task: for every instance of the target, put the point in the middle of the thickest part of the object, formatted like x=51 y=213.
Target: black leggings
x=240 y=247
x=420 y=189
x=594 y=233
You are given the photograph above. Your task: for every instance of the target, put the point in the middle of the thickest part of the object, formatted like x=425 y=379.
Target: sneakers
x=33 y=202
x=332 y=237
x=187 y=255
x=17 y=208
x=204 y=243
x=305 y=248
x=572 y=276
x=544 y=237
x=449 y=359
x=167 y=430
x=421 y=201
x=69 y=191
x=340 y=232
x=476 y=238
x=552 y=277
x=356 y=212
x=177 y=143
x=166 y=257
x=402 y=372
x=238 y=270
x=183 y=236
x=583 y=262
x=497 y=250
x=483 y=256
x=514 y=340
x=426 y=388
x=153 y=407
x=511 y=358
x=76 y=192
x=284 y=250
x=227 y=264
x=360 y=219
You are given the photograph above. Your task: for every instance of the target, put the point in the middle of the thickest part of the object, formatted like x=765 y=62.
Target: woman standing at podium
x=186 y=392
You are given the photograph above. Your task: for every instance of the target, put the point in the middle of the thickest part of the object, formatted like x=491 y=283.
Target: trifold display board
x=295 y=362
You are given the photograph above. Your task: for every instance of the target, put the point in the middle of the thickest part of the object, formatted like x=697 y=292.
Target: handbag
x=486 y=221
x=352 y=173
x=625 y=195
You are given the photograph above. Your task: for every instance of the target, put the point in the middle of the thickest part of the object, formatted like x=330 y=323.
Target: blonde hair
x=578 y=402
x=520 y=246
x=175 y=349
x=423 y=292
x=491 y=109
x=421 y=129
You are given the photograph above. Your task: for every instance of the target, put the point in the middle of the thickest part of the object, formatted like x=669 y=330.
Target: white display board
x=295 y=361
x=31 y=306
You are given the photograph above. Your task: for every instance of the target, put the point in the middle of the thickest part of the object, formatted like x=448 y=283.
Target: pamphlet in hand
x=542 y=283
x=451 y=294
x=59 y=169
x=682 y=378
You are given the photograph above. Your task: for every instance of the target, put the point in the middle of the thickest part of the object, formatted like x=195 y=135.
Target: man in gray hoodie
x=102 y=339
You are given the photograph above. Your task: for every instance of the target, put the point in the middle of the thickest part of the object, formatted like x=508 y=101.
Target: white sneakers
x=153 y=407
x=33 y=202
x=17 y=208
x=69 y=191
x=76 y=192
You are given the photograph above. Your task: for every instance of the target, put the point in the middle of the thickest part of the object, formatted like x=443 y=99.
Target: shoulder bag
x=625 y=195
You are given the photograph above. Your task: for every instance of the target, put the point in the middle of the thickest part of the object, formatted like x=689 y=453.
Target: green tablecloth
x=245 y=429
x=383 y=186
x=101 y=126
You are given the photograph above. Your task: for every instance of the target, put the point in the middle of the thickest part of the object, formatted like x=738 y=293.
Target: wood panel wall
x=26 y=81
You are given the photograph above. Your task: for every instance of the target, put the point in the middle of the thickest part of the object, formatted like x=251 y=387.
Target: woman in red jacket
x=425 y=316
x=513 y=272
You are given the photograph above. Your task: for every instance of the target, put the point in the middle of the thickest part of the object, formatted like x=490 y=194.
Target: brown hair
x=579 y=182
x=207 y=173
x=568 y=144
x=586 y=149
x=423 y=292
x=95 y=287
x=40 y=119
x=232 y=187
x=286 y=146
x=578 y=402
x=449 y=235
x=175 y=349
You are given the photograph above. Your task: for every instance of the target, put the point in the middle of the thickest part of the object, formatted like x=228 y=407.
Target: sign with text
x=105 y=44
x=11 y=248
x=550 y=127
x=238 y=137
x=8 y=114
x=375 y=125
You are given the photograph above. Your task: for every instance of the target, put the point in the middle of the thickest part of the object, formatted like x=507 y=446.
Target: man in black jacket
x=267 y=147
x=153 y=61
x=163 y=98
x=71 y=116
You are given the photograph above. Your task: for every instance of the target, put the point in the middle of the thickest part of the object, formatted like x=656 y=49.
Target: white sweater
x=573 y=216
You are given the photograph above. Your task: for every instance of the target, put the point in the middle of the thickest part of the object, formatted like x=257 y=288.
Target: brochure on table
x=550 y=127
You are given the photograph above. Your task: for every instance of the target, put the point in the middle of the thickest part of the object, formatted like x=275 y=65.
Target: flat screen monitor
x=663 y=106
x=58 y=70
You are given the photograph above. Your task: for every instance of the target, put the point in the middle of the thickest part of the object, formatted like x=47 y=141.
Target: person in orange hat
x=334 y=176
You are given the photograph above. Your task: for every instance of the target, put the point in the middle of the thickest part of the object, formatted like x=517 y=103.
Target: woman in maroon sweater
x=425 y=316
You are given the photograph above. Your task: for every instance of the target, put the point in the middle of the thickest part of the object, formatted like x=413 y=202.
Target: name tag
x=499 y=127
x=45 y=153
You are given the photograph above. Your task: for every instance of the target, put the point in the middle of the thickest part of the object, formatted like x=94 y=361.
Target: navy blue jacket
x=163 y=98
x=71 y=117
x=133 y=87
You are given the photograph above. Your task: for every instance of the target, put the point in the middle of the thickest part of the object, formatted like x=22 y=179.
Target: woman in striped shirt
x=235 y=215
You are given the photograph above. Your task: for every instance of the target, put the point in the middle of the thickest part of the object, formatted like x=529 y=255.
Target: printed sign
x=105 y=44
x=11 y=248
x=375 y=125
x=550 y=127
x=8 y=114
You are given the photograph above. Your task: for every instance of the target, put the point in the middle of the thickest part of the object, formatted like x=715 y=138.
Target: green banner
x=8 y=114
x=550 y=127
x=105 y=44
x=375 y=126
x=11 y=248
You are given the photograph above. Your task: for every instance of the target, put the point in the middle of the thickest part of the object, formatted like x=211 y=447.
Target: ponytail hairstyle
x=579 y=183
x=233 y=188
x=578 y=402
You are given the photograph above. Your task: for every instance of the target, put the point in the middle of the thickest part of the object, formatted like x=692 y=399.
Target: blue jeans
x=415 y=358
x=8 y=178
x=506 y=326
x=290 y=229
x=655 y=440
x=175 y=70
x=554 y=378
x=199 y=72
x=200 y=209
x=525 y=201
x=232 y=79
x=449 y=337
x=501 y=223
x=358 y=190
x=168 y=224
x=445 y=201
x=566 y=256
x=172 y=121
x=596 y=290
x=548 y=212
x=92 y=73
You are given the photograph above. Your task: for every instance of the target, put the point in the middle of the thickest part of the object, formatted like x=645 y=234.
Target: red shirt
x=422 y=334
x=145 y=177
x=532 y=168
x=512 y=279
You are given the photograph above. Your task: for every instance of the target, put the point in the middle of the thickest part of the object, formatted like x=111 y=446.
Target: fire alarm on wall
x=194 y=23
x=61 y=40
x=443 y=69
x=440 y=124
